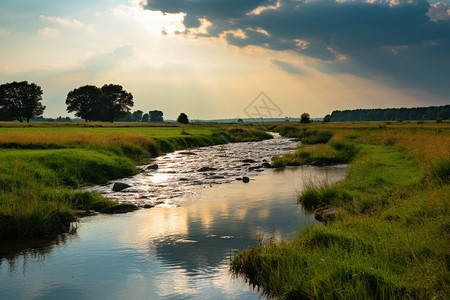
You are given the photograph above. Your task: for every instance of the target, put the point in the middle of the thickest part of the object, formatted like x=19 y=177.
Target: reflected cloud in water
x=167 y=253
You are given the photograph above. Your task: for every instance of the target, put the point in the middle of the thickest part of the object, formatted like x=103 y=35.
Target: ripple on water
x=183 y=173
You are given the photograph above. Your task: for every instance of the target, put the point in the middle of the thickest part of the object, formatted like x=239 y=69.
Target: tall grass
x=320 y=155
x=134 y=145
x=40 y=168
x=390 y=239
x=307 y=136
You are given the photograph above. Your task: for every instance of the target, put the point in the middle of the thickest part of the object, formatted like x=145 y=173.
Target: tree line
x=391 y=114
x=22 y=101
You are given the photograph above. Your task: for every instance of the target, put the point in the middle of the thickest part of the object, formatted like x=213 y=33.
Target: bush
x=317 y=137
x=310 y=198
x=316 y=196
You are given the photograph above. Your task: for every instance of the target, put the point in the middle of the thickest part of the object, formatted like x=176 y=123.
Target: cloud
x=74 y=23
x=47 y=31
x=4 y=32
x=405 y=41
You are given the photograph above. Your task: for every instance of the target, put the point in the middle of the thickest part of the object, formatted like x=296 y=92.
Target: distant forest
x=392 y=114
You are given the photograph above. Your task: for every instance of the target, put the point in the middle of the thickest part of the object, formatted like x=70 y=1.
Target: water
x=179 y=249
x=183 y=173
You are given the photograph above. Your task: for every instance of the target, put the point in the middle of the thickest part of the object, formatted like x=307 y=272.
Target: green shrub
x=310 y=198
x=317 y=137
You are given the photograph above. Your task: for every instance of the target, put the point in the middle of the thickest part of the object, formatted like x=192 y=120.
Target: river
x=181 y=247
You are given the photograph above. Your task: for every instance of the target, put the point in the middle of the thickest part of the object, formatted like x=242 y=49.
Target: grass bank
x=390 y=238
x=42 y=167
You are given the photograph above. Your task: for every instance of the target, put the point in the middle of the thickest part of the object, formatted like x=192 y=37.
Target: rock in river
x=254 y=168
x=204 y=169
x=118 y=186
x=152 y=167
x=325 y=214
x=187 y=153
x=245 y=179
x=120 y=209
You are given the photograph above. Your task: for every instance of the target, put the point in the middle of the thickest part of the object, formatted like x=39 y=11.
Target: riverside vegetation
x=43 y=166
x=390 y=237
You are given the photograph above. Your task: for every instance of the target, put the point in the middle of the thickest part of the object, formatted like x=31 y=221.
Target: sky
x=216 y=59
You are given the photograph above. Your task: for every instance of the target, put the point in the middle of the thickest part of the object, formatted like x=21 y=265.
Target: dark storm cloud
x=212 y=9
x=404 y=41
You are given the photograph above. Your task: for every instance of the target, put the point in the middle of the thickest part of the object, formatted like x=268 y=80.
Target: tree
x=327 y=119
x=137 y=116
x=85 y=102
x=91 y=103
x=183 y=119
x=115 y=102
x=127 y=118
x=21 y=100
x=305 y=118
x=5 y=115
x=156 y=116
x=145 y=118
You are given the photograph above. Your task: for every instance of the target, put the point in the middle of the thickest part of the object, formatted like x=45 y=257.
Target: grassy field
x=390 y=238
x=42 y=165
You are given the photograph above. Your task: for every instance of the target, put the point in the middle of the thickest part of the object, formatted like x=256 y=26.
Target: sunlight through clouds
x=210 y=59
x=155 y=22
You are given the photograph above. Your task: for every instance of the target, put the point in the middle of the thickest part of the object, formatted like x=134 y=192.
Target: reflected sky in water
x=170 y=253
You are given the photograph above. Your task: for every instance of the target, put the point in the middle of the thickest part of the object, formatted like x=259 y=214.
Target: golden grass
x=422 y=145
x=427 y=141
x=87 y=124
x=27 y=139
x=391 y=235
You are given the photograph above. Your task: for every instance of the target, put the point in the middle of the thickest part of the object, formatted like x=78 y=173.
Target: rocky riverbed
x=176 y=176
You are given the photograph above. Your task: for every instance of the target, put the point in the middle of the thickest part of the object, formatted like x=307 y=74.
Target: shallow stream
x=180 y=248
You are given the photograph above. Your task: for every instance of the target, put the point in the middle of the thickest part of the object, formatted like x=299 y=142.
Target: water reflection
x=167 y=253
x=234 y=217
x=18 y=252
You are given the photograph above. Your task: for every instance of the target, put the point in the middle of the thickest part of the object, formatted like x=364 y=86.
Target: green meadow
x=390 y=238
x=44 y=166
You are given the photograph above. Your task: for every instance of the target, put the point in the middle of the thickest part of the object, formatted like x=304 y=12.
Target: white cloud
x=260 y=9
x=72 y=23
x=4 y=32
x=154 y=22
x=47 y=31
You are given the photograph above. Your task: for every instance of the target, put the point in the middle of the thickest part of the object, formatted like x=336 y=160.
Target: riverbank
x=390 y=238
x=42 y=166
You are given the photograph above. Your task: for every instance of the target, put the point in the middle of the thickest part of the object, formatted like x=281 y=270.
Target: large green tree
x=21 y=100
x=116 y=102
x=109 y=103
x=85 y=102
x=5 y=115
